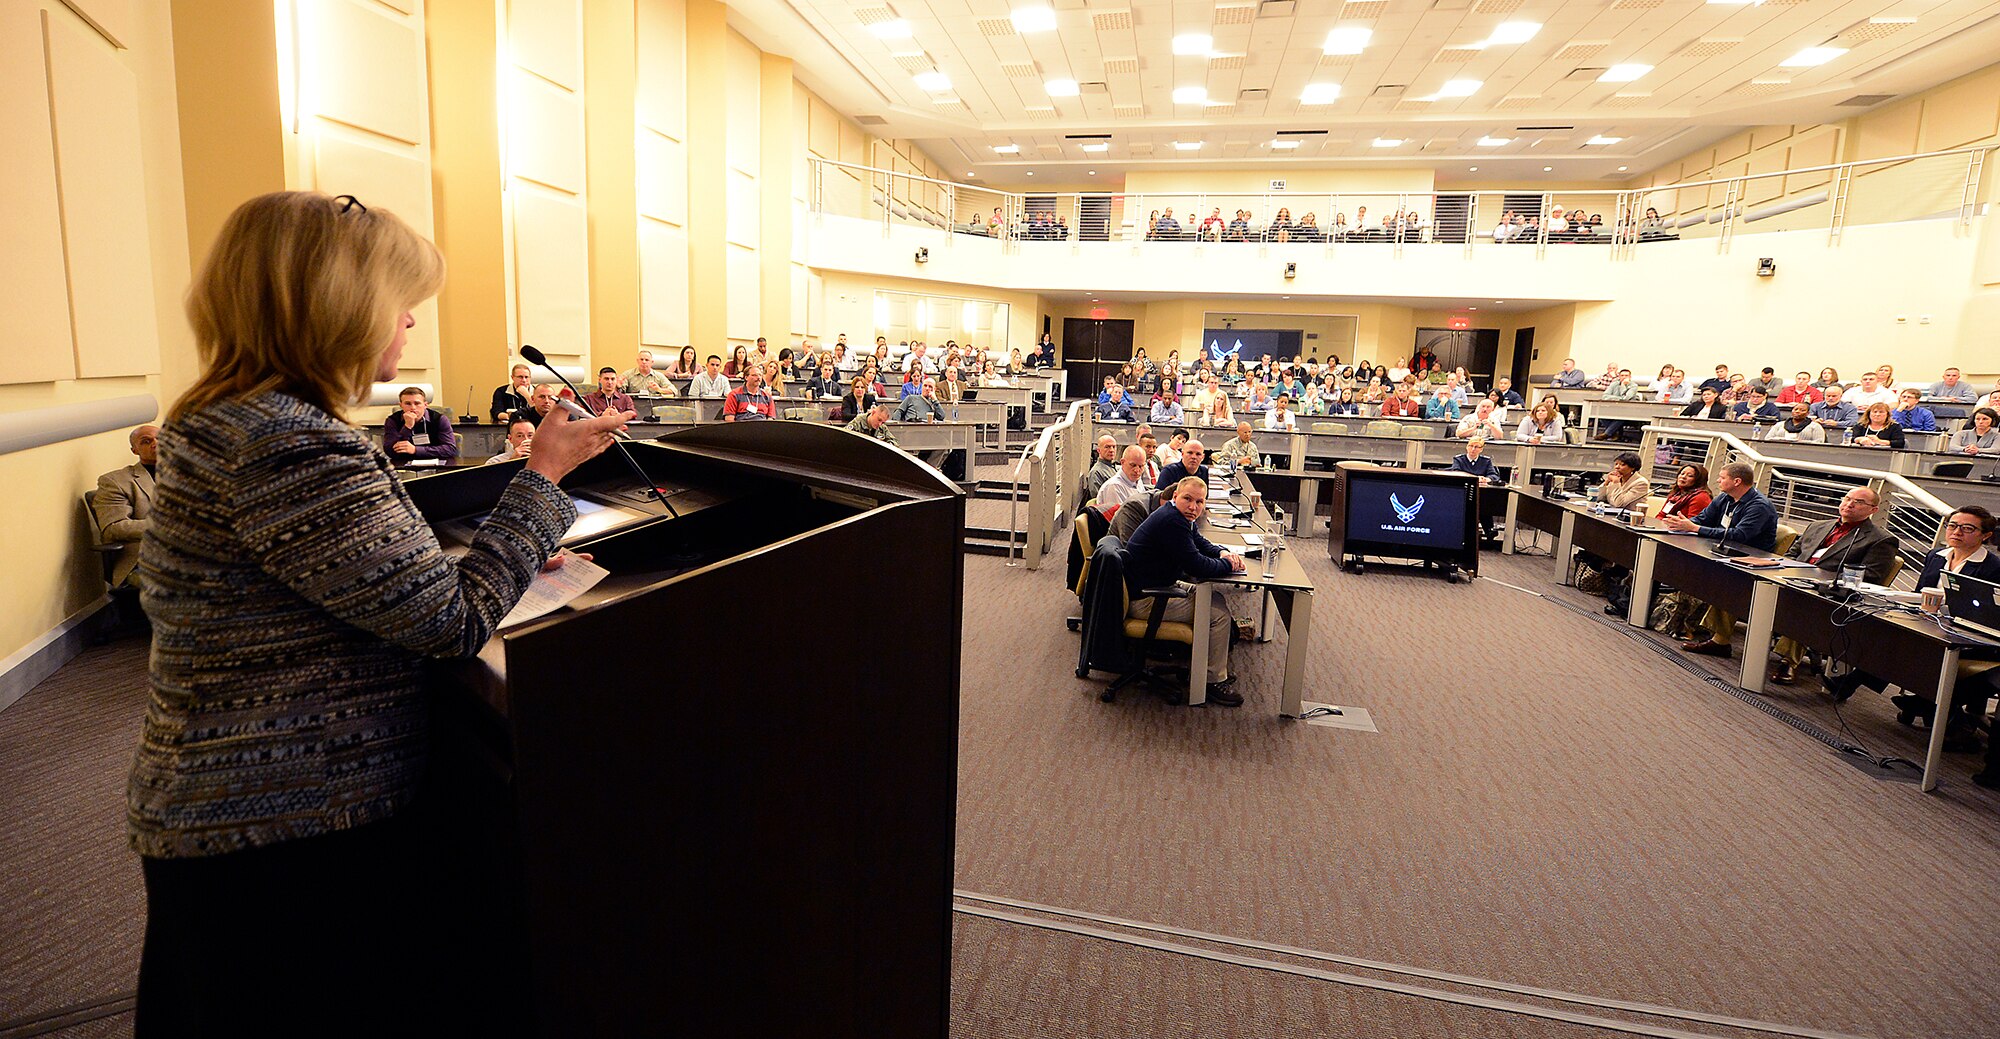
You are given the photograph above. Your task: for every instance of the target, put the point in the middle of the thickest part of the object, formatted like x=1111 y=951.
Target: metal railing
x=1051 y=467
x=1943 y=184
x=1802 y=491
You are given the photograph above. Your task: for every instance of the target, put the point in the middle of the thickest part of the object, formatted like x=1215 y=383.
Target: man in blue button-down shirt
x=1740 y=515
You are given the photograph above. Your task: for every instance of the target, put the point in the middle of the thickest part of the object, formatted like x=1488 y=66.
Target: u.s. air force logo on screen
x=1406 y=513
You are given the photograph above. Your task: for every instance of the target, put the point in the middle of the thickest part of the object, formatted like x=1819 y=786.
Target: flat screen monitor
x=1406 y=512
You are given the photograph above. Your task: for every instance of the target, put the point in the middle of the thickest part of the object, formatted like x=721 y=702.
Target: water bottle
x=1852 y=577
x=1847 y=436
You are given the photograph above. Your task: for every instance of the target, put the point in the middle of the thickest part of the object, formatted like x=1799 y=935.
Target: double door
x=1093 y=348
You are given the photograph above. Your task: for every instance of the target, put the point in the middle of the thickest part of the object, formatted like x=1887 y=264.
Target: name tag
x=420 y=439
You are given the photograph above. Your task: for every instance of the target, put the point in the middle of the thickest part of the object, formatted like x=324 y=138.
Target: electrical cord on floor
x=1321 y=712
x=1534 y=544
x=1851 y=610
x=1754 y=699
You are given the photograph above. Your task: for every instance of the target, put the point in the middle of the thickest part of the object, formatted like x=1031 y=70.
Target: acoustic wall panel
x=363 y=67
x=802 y=322
x=743 y=95
x=1766 y=160
x=662 y=88
x=1891 y=131
x=662 y=163
x=743 y=210
x=545 y=133
x=546 y=38
x=39 y=344
x=744 y=311
x=663 y=285
x=1813 y=148
x=113 y=19
x=552 y=271
x=397 y=181
x=102 y=176
x=1961 y=114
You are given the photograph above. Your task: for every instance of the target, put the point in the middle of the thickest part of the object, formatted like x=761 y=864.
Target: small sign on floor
x=1336 y=716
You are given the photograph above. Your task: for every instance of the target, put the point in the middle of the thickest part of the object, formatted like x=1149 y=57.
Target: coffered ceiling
x=1454 y=81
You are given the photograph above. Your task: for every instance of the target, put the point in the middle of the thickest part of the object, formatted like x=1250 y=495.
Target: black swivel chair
x=1953 y=469
x=1115 y=641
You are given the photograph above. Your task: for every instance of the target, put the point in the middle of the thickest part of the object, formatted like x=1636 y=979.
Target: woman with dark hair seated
x=1687 y=497
x=1967 y=551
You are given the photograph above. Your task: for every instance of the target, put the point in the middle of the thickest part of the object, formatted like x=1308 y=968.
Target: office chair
x=1786 y=537
x=674 y=413
x=1953 y=469
x=805 y=414
x=1383 y=427
x=1419 y=431
x=124 y=601
x=1112 y=640
x=1329 y=427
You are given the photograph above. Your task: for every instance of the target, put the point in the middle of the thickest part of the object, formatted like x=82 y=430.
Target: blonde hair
x=300 y=294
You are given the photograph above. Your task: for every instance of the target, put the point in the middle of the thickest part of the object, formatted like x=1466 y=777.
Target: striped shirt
x=295 y=592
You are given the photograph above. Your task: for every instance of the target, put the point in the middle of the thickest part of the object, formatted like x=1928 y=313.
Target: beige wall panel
x=662 y=178
x=663 y=285
x=34 y=295
x=744 y=86
x=366 y=68
x=853 y=144
x=823 y=130
x=804 y=322
x=103 y=180
x=1891 y=131
x=1765 y=136
x=1767 y=160
x=545 y=133
x=1696 y=166
x=745 y=305
x=546 y=38
x=743 y=210
x=1732 y=148
x=1816 y=147
x=1961 y=114
x=112 y=18
x=397 y=181
x=662 y=40
x=552 y=271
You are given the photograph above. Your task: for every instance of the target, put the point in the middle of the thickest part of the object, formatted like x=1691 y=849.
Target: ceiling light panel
x=1194 y=43
x=1096 y=149
x=932 y=82
x=1347 y=40
x=1509 y=33
x=1319 y=94
x=893 y=29
x=1811 y=57
x=1494 y=142
x=1386 y=142
x=1284 y=145
x=1600 y=139
x=1459 y=88
x=1033 y=19
x=1624 y=73
x=1062 y=88
x=1007 y=149
x=1187 y=146
x=1190 y=95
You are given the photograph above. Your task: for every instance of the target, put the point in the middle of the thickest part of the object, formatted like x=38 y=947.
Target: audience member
x=1239 y=451
x=686 y=364
x=873 y=422
x=123 y=505
x=417 y=430
x=922 y=406
x=1481 y=423
x=1103 y=468
x=1402 y=404
x=1952 y=388
x=1877 y=430
x=520 y=442
x=1767 y=380
x=1720 y=383
x=1980 y=437
x=1757 y=407
x=1127 y=483
x=1543 y=425
x=1675 y=389
x=711 y=382
x=1280 y=416
x=1190 y=464
x=608 y=397
x=1740 y=514
x=1473 y=460
x=643 y=381
x=1871 y=391
x=1440 y=405
x=1850 y=539
x=1167 y=409
x=857 y=400
x=750 y=401
x=1166 y=548
x=1709 y=406
x=1801 y=389
x=1799 y=425
x=511 y=399
x=1912 y=415
x=1687 y=497
x=1834 y=412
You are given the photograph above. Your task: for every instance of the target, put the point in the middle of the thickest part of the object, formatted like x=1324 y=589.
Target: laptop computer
x=1974 y=604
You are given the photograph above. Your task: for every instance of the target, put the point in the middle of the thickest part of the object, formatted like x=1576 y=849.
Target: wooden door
x=1093 y=348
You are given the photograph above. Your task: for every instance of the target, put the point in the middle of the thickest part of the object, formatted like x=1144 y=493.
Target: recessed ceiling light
x=1512 y=32
x=1097 y=149
x=1499 y=301
x=1284 y=297
x=1007 y=149
x=1622 y=169
x=1472 y=308
x=969 y=173
x=1811 y=56
x=1187 y=146
x=1459 y=88
x=1190 y=95
x=894 y=29
x=1548 y=169
x=1494 y=142
x=1624 y=73
x=1601 y=139
x=1319 y=94
x=1346 y=40
x=1388 y=142
x=1062 y=88
x=1472 y=169
x=1284 y=145
x=1199 y=43
x=933 y=82
x=1031 y=173
x=1093 y=173
x=1033 y=19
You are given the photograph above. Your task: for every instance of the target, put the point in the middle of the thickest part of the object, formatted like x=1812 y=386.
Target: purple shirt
x=434 y=427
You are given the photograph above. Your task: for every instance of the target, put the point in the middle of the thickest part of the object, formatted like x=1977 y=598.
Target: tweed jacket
x=295 y=592
x=121 y=508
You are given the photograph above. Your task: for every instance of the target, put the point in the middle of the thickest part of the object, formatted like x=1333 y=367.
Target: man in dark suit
x=1166 y=548
x=1851 y=539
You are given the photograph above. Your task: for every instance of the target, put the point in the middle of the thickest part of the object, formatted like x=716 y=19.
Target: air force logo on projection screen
x=1220 y=356
x=1406 y=513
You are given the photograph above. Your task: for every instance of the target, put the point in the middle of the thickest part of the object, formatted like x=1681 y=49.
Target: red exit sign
x=1459 y=321
x=1099 y=313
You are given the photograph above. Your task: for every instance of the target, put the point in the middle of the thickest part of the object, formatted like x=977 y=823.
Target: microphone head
x=534 y=355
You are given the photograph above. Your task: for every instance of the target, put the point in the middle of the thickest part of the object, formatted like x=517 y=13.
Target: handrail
x=1811 y=169
x=1040 y=451
x=911 y=176
x=1898 y=480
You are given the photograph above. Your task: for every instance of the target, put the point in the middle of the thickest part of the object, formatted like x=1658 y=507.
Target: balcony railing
x=1943 y=184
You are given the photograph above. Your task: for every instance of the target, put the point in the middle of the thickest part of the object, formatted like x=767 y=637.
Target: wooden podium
x=696 y=800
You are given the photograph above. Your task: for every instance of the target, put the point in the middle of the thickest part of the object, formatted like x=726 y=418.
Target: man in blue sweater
x=1167 y=547
x=1744 y=517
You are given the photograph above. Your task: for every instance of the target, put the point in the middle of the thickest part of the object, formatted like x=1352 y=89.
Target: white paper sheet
x=555 y=588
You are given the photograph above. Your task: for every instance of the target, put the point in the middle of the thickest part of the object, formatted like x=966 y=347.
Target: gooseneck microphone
x=581 y=409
